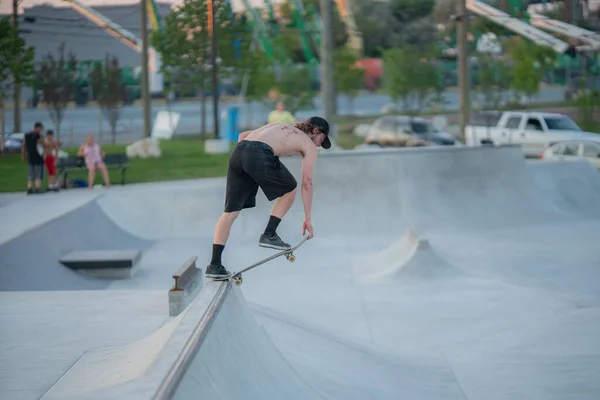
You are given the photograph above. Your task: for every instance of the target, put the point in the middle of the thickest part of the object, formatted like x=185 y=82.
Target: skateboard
x=237 y=276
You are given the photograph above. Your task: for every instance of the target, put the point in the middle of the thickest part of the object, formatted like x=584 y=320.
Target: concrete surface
x=31 y=261
x=499 y=299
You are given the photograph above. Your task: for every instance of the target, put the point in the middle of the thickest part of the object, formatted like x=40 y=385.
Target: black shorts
x=252 y=165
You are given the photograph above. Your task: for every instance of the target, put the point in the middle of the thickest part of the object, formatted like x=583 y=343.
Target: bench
x=77 y=164
x=107 y=264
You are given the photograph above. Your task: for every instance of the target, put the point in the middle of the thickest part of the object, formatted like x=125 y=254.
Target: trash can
x=232 y=130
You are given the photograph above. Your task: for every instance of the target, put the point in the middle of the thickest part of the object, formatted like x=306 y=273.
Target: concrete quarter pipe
x=477 y=279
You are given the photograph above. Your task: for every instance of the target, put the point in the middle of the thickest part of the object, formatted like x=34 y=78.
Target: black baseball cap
x=323 y=126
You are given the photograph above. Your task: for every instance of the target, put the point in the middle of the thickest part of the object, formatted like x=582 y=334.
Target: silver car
x=405 y=131
x=576 y=149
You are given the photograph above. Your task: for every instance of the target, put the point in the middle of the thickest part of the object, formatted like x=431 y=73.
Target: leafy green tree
x=526 y=73
x=492 y=82
x=56 y=78
x=259 y=75
x=348 y=77
x=294 y=96
x=410 y=77
x=407 y=11
x=184 y=45
x=442 y=13
x=109 y=89
x=16 y=66
x=258 y=78
x=380 y=29
x=340 y=36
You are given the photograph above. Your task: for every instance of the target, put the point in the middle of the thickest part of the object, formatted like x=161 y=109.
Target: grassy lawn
x=181 y=159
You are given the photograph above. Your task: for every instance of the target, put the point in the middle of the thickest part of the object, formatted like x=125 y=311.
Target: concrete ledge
x=188 y=281
x=111 y=264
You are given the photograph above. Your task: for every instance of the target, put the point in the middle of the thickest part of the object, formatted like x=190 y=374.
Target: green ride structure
x=575 y=45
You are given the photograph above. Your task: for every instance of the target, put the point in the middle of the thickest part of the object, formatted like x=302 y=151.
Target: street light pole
x=463 y=66
x=17 y=85
x=145 y=79
x=327 y=84
x=213 y=59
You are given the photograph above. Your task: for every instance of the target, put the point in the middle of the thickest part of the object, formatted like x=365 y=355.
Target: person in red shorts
x=50 y=156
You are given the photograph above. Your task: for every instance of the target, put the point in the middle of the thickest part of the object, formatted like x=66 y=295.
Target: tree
x=295 y=98
x=380 y=29
x=109 y=90
x=410 y=77
x=526 y=74
x=407 y=11
x=492 y=82
x=442 y=13
x=415 y=19
x=16 y=65
x=56 y=78
x=258 y=78
x=348 y=77
x=289 y=34
x=184 y=44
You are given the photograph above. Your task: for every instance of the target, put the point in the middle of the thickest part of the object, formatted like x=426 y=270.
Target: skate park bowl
x=434 y=273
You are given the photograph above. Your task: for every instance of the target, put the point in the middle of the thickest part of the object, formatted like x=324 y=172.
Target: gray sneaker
x=273 y=242
x=216 y=271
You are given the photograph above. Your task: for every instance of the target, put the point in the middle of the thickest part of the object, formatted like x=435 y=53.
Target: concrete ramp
x=418 y=188
x=238 y=360
x=31 y=260
x=410 y=258
x=573 y=185
x=471 y=189
x=111 y=366
x=215 y=349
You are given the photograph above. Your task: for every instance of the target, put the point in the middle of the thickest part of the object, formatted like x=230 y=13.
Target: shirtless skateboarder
x=255 y=163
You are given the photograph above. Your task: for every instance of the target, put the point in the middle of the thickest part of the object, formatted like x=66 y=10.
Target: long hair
x=304 y=127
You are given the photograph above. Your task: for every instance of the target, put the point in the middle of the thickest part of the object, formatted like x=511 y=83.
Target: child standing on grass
x=50 y=156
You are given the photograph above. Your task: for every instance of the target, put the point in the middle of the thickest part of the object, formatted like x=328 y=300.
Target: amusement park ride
x=533 y=21
x=566 y=39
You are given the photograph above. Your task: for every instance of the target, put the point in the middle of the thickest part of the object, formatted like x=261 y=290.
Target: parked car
x=534 y=131
x=407 y=131
x=13 y=142
x=577 y=149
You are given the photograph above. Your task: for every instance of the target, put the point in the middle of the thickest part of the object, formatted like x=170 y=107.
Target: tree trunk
x=113 y=132
x=56 y=116
x=202 y=106
x=2 y=125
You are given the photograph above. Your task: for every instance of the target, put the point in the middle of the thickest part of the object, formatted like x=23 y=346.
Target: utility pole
x=145 y=79
x=17 y=85
x=463 y=66
x=213 y=60
x=327 y=83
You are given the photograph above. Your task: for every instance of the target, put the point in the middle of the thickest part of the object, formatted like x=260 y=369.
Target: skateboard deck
x=237 y=276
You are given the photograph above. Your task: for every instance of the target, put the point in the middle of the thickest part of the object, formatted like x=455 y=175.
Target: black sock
x=272 y=225
x=216 y=256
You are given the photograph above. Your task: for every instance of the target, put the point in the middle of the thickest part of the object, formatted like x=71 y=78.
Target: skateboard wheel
x=238 y=282
x=292 y=258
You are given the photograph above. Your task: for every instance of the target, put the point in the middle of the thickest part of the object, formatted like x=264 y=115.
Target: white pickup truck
x=534 y=131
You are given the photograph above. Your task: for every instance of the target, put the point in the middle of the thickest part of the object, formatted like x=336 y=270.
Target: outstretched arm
x=310 y=158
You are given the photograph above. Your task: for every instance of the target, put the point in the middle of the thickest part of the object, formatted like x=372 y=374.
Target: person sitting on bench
x=93 y=156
